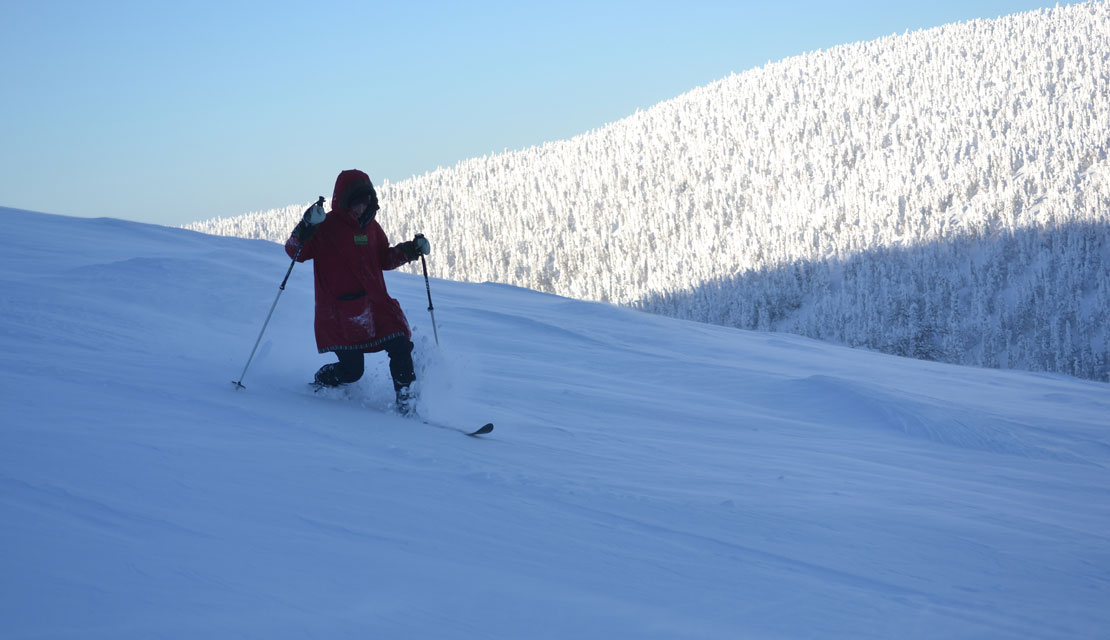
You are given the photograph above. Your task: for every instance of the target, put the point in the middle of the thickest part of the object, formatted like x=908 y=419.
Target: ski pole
x=428 y=286
x=239 y=383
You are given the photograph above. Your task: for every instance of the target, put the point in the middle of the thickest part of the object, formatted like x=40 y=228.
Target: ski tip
x=484 y=429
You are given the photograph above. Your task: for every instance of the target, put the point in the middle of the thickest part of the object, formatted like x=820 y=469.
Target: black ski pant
x=352 y=364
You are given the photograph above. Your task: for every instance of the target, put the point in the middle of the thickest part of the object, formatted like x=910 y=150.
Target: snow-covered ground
x=648 y=478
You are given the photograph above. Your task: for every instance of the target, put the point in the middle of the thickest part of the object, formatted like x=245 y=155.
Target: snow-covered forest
x=941 y=194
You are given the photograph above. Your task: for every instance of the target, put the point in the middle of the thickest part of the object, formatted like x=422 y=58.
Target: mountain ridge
x=969 y=132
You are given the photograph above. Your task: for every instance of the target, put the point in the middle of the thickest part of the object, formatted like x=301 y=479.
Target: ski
x=480 y=431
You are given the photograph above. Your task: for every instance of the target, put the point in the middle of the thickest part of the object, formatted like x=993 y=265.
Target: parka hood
x=349 y=184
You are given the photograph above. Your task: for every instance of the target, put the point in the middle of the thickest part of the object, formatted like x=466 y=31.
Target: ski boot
x=406 y=401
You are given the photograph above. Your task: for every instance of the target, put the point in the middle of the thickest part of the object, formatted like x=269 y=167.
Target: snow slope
x=648 y=478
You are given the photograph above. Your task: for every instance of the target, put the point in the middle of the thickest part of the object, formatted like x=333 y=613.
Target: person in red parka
x=354 y=313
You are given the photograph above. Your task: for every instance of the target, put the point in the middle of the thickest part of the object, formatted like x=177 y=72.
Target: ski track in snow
x=648 y=478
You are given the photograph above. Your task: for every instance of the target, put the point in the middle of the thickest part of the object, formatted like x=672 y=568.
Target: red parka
x=353 y=309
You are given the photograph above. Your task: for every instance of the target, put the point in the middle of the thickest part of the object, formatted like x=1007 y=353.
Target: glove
x=315 y=214
x=312 y=217
x=418 y=246
x=304 y=231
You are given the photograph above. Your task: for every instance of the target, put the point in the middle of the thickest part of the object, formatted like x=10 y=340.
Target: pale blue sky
x=169 y=112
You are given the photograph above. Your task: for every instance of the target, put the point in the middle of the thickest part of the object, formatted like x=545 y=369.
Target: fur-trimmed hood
x=349 y=185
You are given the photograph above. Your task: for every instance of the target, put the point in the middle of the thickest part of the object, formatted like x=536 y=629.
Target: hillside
x=648 y=478
x=942 y=194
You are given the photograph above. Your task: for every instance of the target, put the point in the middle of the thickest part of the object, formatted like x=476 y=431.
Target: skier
x=354 y=313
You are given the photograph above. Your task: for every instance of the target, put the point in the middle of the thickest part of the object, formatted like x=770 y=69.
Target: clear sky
x=170 y=112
